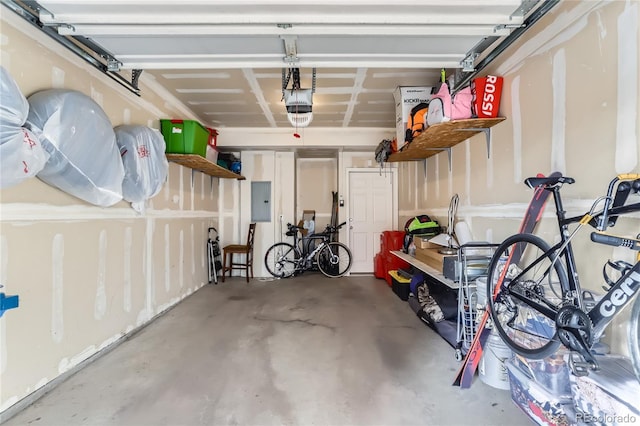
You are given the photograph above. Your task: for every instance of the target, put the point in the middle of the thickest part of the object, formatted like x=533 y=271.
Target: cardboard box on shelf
x=405 y=99
x=424 y=243
x=431 y=257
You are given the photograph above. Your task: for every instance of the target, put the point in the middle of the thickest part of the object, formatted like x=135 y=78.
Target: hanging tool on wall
x=7 y=302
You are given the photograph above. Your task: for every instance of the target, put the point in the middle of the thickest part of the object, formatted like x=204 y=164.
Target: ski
x=471 y=360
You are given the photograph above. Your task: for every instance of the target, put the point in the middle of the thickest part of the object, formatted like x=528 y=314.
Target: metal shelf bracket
x=487 y=135
x=448 y=149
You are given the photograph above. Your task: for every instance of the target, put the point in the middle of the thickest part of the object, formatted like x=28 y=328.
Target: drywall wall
x=87 y=276
x=316 y=179
x=270 y=155
x=572 y=104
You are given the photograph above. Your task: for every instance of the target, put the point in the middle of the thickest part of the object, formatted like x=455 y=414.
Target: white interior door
x=371 y=210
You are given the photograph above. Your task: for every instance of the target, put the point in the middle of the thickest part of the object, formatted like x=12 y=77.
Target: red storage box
x=213 y=137
x=378 y=266
x=391 y=240
x=391 y=263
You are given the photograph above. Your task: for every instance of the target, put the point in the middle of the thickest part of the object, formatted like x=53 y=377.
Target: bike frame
x=300 y=244
x=620 y=294
x=614 y=300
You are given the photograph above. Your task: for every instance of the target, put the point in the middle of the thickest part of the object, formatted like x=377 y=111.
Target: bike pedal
x=579 y=367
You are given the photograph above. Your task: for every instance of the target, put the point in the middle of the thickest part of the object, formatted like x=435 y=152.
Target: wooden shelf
x=203 y=165
x=443 y=136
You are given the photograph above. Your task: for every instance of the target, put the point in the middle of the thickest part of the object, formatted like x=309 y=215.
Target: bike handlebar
x=608 y=202
x=333 y=229
x=612 y=240
x=328 y=230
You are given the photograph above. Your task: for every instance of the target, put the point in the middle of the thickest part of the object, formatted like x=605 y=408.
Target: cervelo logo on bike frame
x=620 y=296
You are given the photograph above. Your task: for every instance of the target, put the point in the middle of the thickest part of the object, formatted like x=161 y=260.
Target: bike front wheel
x=634 y=336
x=281 y=260
x=532 y=283
x=334 y=259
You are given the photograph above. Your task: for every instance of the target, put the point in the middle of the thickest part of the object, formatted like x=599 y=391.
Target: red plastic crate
x=378 y=266
x=213 y=137
x=391 y=263
x=391 y=240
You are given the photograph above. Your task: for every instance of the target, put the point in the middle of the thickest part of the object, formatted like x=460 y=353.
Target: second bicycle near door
x=317 y=251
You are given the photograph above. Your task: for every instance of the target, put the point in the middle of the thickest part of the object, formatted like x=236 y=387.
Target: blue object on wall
x=8 y=302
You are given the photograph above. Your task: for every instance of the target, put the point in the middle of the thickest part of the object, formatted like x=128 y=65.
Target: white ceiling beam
x=244 y=3
x=283 y=18
x=252 y=63
x=274 y=60
x=315 y=30
x=416 y=14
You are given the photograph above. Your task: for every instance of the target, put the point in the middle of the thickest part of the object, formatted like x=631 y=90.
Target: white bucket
x=492 y=368
x=481 y=292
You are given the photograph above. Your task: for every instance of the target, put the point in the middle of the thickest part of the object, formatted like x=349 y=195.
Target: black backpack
x=422 y=225
x=383 y=151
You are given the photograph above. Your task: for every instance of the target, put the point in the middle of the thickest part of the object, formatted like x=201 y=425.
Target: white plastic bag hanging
x=21 y=154
x=79 y=137
x=145 y=165
x=21 y=157
x=14 y=107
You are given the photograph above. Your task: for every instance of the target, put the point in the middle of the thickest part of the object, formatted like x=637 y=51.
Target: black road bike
x=315 y=252
x=536 y=305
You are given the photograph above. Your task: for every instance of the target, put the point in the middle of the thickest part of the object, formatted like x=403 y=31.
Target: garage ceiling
x=224 y=58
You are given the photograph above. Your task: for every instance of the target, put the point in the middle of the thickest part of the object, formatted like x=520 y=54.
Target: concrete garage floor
x=304 y=351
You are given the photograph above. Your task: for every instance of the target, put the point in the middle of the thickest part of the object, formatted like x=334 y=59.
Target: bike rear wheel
x=531 y=275
x=634 y=336
x=281 y=260
x=334 y=259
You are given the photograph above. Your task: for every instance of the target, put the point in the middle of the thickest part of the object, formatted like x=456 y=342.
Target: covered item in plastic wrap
x=608 y=396
x=21 y=154
x=145 y=165
x=544 y=406
x=76 y=132
x=14 y=107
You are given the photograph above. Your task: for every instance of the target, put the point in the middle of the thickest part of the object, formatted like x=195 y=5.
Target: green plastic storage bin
x=185 y=137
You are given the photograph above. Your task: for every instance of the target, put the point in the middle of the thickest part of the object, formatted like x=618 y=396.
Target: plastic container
x=608 y=396
x=551 y=373
x=492 y=369
x=185 y=137
x=481 y=292
x=236 y=167
x=400 y=285
x=212 y=154
x=541 y=405
x=391 y=240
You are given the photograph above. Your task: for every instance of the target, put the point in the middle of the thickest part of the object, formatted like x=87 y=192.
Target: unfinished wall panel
x=86 y=275
x=316 y=178
x=571 y=102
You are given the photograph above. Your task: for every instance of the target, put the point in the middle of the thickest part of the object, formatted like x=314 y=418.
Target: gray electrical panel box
x=260 y=201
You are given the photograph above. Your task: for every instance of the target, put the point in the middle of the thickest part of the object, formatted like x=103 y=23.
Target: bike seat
x=548 y=182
